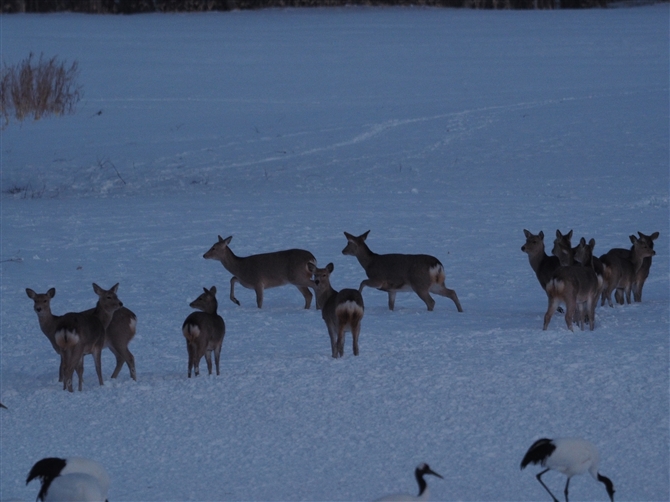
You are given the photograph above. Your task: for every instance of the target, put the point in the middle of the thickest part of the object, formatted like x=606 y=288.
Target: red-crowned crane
x=70 y=479
x=569 y=456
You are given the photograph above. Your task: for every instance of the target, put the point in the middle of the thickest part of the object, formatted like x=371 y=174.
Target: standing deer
x=82 y=333
x=267 y=270
x=643 y=272
x=342 y=311
x=204 y=332
x=420 y=273
x=622 y=272
x=542 y=264
x=578 y=288
x=48 y=321
x=118 y=335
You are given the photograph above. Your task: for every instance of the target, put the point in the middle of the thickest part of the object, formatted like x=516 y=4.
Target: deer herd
x=571 y=276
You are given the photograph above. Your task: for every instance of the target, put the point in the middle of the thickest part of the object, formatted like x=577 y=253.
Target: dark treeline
x=139 y=6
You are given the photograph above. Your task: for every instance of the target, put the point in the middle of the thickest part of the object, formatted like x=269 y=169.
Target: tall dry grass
x=38 y=88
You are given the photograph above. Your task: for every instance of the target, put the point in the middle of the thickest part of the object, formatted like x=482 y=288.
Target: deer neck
x=364 y=255
x=536 y=260
x=322 y=297
x=47 y=322
x=231 y=261
x=105 y=316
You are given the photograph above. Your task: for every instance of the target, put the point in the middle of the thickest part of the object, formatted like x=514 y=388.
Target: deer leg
x=333 y=341
x=539 y=478
x=392 y=300
x=217 y=356
x=307 y=294
x=569 y=312
x=119 y=361
x=208 y=359
x=340 y=341
x=232 y=290
x=550 y=312
x=355 y=331
x=567 y=483
x=259 y=296
x=449 y=293
x=191 y=358
x=97 y=359
x=427 y=299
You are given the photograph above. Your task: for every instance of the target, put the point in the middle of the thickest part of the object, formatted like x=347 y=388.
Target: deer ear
x=220 y=239
x=582 y=241
x=213 y=290
x=97 y=289
x=592 y=243
x=114 y=288
x=330 y=267
x=632 y=238
x=364 y=236
x=348 y=236
x=51 y=292
x=30 y=293
x=569 y=234
x=527 y=233
x=541 y=234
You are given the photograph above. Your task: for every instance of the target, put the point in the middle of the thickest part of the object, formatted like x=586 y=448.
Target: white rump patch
x=436 y=273
x=191 y=331
x=132 y=324
x=66 y=338
x=349 y=308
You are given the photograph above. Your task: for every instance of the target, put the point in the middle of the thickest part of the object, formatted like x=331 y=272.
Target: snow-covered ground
x=444 y=132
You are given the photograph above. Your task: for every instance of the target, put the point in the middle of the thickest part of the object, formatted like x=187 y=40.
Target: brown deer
x=342 y=311
x=118 y=335
x=82 y=333
x=621 y=273
x=48 y=321
x=267 y=270
x=578 y=288
x=643 y=272
x=542 y=264
x=420 y=273
x=204 y=332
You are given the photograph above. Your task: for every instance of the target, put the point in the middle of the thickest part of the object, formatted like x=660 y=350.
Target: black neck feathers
x=47 y=470
x=608 y=485
x=538 y=452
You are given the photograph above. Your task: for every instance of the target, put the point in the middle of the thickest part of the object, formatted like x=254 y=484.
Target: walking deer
x=622 y=273
x=420 y=273
x=82 y=333
x=342 y=311
x=204 y=332
x=643 y=272
x=48 y=321
x=542 y=264
x=267 y=270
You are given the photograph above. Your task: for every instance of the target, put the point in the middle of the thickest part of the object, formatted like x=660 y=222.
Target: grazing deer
x=342 y=311
x=578 y=288
x=267 y=270
x=643 y=272
x=621 y=273
x=542 y=264
x=82 y=333
x=420 y=273
x=204 y=332
x=48 y=321
x=563 y=249
x=118 y=335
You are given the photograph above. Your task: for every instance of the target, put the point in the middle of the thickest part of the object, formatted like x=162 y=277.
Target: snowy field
x=444 y=132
